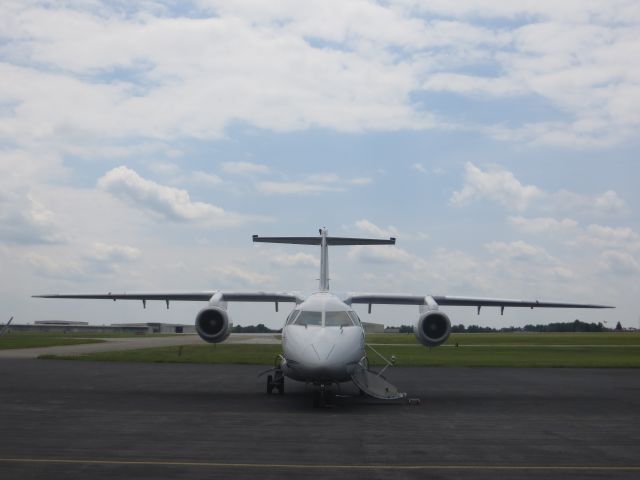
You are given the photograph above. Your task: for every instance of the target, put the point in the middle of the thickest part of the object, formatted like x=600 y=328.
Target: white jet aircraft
x=323 y=341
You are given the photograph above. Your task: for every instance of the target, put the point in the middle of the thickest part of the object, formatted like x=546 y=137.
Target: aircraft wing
x=400 y=299
x=500 y=302
x=204 y=296
x=182 y=296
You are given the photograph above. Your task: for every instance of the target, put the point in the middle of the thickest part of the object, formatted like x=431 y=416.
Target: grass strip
x=407 y=356
x=516 y=338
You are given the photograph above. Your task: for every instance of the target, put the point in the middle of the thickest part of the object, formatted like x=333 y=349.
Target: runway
x=78 y=420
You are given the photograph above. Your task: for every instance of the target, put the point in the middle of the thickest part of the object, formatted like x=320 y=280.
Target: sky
x=143 y=143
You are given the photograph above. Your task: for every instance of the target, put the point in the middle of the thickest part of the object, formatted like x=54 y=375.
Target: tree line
x=575 y=326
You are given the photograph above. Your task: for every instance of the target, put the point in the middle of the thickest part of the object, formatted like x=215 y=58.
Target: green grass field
x=537 y=339
x=586 y=350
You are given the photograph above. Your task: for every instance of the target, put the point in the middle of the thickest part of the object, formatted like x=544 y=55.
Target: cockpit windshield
x=337 y=319
x=308 y=318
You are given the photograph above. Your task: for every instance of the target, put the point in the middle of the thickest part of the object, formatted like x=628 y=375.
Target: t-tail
x=324 y=240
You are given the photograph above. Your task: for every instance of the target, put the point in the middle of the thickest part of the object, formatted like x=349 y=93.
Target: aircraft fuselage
x=322 y=340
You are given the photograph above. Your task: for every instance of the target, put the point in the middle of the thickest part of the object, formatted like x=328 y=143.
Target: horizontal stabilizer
x=330 y=240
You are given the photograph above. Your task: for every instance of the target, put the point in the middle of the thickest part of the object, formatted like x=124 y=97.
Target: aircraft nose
x=323 y=350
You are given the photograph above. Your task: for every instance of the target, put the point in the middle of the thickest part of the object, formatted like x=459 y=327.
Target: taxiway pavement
x=111 y=344
x=78 y=420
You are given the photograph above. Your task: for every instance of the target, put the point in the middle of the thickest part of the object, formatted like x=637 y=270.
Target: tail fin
x=324 y=240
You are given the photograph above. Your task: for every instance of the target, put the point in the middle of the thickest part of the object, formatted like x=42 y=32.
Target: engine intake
x=212 y=324
x=432 y=329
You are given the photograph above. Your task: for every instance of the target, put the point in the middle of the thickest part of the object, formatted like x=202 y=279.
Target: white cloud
x=374 y=230
x=231 y=274
x=344 y=65
x=168 y=202
x=604 y=237
x=496 y=184
x=607 y=203
x=502 y=186
x=620 y=263
x=54 y=267
x=24 y=220
x=295 y=260
x=544 y=225
x=381 y=254
x=243 y=168
x=114 y=253
x=418 y=167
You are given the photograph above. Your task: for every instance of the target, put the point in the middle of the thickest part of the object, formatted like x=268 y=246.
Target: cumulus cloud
x=615 y=247
x=601 y=236
x=607 y=203
x=24 y=220
x=345 y=65
x=167 y=202
x=620 y=263
x=500 y=185
x=54 y=267
x=496 y=184
x=374 y=230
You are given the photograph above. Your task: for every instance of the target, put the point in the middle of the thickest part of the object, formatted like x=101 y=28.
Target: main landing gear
x=275 y=381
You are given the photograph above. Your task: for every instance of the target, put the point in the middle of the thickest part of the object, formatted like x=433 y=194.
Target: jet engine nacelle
x=212 y=324
x=432 y=329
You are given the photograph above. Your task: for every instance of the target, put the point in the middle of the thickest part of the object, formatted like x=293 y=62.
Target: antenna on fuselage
x=324 y=240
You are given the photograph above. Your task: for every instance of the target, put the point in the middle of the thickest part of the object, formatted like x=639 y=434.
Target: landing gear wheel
x=323 y=397
x=270 y=385
x=278 y=382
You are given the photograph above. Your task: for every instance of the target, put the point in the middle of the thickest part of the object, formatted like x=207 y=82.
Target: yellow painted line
x=288 y=466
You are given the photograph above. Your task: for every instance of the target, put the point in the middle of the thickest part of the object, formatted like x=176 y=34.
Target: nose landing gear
x=323 y=397
x=275 y=381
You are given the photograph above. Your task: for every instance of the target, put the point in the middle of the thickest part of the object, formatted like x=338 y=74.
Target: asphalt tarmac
x=79 y=420
x=133 y=343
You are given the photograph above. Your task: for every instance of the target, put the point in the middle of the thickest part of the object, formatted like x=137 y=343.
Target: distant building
x=69 y=323
x=66 y=326
x=157 y=327
x=373 y=327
